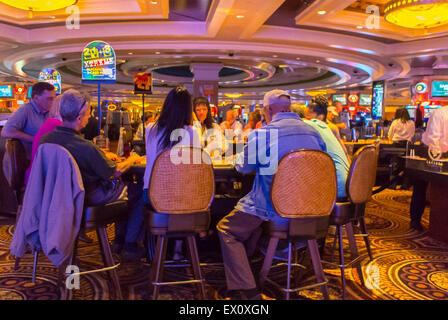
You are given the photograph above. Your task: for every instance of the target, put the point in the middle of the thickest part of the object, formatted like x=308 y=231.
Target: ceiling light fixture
x=417 y=14
x=359 y=27
x=322 y=12
x=240 y=16
x=39 y=5
x=154 y=2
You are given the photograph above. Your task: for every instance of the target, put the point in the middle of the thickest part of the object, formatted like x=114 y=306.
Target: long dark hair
x=402 y=114
x=176 y=113
x=319 y=105
x=208 y=120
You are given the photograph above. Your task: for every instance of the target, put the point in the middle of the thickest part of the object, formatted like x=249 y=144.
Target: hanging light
x=39 y=5
x=417 y=14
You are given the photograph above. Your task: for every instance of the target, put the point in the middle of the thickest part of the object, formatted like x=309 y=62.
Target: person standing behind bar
x=27 y=120
x=317 y=112
x=435 y=137
x=284 y=132
x=402 y=128
x=231 y=127
x=212 y=137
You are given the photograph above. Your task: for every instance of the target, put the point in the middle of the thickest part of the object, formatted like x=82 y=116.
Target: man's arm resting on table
x=16 y=134
x=125 y=165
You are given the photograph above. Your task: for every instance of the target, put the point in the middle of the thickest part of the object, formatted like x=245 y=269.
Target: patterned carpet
x=406 y=266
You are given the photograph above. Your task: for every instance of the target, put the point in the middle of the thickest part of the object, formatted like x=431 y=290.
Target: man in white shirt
x=231 y=127
x=436 y=135
x=436 y=138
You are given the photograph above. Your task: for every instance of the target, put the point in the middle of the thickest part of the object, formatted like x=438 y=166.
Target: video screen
x=342 y=98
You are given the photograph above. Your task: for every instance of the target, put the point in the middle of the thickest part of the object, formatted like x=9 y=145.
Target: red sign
x=19 y=89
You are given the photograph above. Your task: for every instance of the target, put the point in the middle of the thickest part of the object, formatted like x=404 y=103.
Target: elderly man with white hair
x=96 y=169
x=284 y=132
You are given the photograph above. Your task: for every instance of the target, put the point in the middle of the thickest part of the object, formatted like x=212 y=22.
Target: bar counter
x=436 y=173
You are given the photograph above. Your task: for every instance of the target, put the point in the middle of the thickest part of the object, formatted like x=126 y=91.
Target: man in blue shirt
x=284 y=132
x=27 y=120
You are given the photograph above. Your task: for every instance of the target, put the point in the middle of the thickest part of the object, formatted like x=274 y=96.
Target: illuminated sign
x=142 y=83
x=19 y=89
x=439 y=89
x=98 y=63
x=52 y=77
x=353 y=98
x=341 y=98
x=5 y=91
x=377 y=99
x=421 y=87
x=365 y=99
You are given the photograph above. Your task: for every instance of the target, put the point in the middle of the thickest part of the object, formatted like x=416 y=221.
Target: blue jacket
x=265 y=147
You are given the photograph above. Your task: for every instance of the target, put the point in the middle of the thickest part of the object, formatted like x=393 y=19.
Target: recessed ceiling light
x=359 y=27
x=154 y=2
x=317 y=61
x=321 y=12
x=298 y=58
x=130 y=53
x=240 y=16
x=275 y=56
x=157 y=52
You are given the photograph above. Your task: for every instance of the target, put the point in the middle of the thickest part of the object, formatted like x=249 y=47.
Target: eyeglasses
x=82 y=106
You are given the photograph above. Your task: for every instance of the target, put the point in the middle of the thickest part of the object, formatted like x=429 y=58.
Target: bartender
x=436 y=138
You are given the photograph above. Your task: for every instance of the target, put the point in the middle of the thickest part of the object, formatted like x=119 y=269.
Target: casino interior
x=373 y=60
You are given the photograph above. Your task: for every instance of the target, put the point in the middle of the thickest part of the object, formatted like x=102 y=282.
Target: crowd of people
x=59 y=120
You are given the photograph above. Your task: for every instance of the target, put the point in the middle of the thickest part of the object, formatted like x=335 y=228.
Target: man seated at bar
x=317 y=112
x=96 y=169
x=27 y=120
x=284 y=132
x=436 y=138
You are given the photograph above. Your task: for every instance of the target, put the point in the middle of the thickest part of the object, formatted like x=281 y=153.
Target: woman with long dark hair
x=402 y=128
x=212 y=137
x=176 y=114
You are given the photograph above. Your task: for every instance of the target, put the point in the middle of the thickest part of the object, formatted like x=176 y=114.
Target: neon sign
x=98 y=63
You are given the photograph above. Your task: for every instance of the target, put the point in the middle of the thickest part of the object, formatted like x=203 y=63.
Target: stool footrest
x=177 y=282
x=311 y=286
x=343 y=266
x=93 y=271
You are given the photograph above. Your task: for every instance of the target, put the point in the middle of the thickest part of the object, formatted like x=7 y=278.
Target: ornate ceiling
x=262 y=44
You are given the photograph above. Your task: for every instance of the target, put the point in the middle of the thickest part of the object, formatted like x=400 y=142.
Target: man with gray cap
x=96 y=169
x=284 y=132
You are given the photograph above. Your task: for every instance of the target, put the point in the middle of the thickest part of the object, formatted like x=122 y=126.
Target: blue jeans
x=131 y=231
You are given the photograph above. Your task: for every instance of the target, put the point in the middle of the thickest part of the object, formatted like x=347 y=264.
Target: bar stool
x=15 y=165
x=360 y=181
x=93 y=217
x=181 y=195
x=303 y=195
x=97 y=218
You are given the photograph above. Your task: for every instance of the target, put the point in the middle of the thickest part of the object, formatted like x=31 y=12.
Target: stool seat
x=343 y=212
x=160 y=223
x=297 y=229
x=97 y=216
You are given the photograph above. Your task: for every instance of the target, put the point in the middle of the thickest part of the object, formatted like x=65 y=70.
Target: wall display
x=51 y=76
x=365 y=100
x=439 y=89
x=6 y=91
x=342 y=98
x=377 y=99
x=98 y=63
